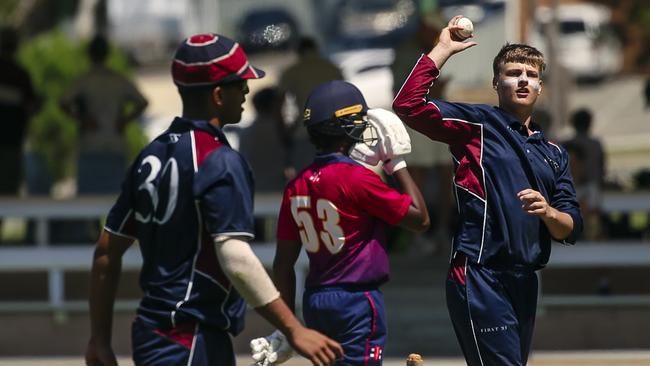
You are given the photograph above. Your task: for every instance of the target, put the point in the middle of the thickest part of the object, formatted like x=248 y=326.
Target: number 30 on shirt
x=332 y=234
x=150 y=186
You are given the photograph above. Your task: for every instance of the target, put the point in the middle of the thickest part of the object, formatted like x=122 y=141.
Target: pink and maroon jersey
x=338 y=209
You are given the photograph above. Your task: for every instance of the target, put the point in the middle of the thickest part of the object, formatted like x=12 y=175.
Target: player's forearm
x=278 y=313
x=285 y=280
x=284 y=273
x=558 y=223
x=248 y=276
x=440 y=54
x=417 y=217
x=103 y=286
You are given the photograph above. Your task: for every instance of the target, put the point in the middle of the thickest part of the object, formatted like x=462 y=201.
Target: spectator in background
x=576 y=163
x=103 y=102
x=428 y=156
x=18 y=102
x=588 y=171
x=297 y=81
x=265 y=143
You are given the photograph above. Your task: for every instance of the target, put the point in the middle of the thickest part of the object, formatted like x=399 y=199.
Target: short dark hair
x=192 y=95
x=98 y=49
x=581 y=120
x=516 y=52
x=197 y=93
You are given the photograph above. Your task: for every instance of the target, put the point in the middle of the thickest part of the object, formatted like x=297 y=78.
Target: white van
x=586 y=45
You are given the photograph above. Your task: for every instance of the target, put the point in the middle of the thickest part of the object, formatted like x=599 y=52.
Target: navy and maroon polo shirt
x=493 y=161
x=184 y=188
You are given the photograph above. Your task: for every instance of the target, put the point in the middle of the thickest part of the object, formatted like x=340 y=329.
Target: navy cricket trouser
x=187 y=344
x=492 y=311
x=353 y=317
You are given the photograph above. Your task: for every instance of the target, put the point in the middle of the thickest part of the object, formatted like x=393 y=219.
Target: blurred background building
x=598 y=53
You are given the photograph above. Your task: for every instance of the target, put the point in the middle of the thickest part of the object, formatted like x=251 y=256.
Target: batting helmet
x=336 y=108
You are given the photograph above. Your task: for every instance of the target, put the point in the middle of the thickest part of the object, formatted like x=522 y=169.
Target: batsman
x=338 y=210
x=514 y=195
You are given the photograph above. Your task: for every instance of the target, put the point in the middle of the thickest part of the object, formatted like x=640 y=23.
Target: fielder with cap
x=188 y=200
x=338 y=210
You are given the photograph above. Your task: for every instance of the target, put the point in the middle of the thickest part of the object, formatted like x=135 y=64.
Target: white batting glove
x=271 y=350
x=259 y=351
x=281 y=347
x=365 y=153
x=394 y=140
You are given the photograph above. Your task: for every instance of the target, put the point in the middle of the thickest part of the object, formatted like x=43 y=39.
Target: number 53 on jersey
x=331 y=235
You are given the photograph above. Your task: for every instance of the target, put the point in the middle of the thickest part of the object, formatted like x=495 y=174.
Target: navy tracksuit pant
x=492 y=311
x=354 y=317
x=187 y=344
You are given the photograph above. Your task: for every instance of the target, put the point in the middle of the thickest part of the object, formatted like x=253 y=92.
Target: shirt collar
x=183 y=124
x=519 y=127
x=328 y=158
x=537 y=134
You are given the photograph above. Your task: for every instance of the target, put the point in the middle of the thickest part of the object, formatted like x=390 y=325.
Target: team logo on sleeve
x=174 y=137
x=315 y=177
x=307 y=115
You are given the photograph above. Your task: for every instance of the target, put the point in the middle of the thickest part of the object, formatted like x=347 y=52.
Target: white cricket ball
x=468 y=28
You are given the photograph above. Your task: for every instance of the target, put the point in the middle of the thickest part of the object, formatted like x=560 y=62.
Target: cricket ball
x=467 y=31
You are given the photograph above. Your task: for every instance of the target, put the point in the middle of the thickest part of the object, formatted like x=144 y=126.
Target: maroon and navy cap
x=207 y=59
